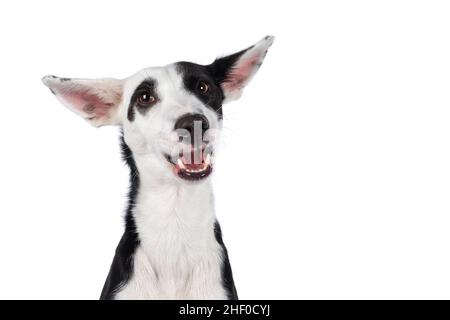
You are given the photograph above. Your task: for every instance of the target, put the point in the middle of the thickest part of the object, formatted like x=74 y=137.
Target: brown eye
x=203 y=87
x=146 y=99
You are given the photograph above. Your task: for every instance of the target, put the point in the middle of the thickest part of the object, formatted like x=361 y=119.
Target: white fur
x=179 y=257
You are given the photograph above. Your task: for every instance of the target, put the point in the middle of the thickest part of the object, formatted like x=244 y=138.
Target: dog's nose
x=193 y=122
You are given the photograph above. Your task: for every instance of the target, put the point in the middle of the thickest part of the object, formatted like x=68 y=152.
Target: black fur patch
x=227 y=274
x=192 y=75
x=146 y=86
x=214 y=74
x=122 y=265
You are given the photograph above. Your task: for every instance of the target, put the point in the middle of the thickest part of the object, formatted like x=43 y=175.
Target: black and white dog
x=170 y=116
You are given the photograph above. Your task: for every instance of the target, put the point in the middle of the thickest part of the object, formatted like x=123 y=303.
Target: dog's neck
x=177 y=244
x=168 y=213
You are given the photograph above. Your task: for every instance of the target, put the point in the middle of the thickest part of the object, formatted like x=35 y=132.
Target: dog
x=170 y=119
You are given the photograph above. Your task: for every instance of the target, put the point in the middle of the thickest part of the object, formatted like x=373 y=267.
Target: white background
x=334 y=175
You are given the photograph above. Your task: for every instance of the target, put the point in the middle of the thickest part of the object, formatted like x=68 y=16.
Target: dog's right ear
x=97 y=101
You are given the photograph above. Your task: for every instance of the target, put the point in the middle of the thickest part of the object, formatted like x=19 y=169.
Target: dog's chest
x=178 y=256
x=150 y=281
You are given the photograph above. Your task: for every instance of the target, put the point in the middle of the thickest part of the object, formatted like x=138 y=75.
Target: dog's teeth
x=199 y=170
x=181 y=164
x=208 y=159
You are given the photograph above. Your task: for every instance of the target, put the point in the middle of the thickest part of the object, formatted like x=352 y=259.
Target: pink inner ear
x=236 y=79
x=88 y=103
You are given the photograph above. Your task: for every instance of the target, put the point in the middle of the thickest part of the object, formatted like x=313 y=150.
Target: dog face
x=171 y=116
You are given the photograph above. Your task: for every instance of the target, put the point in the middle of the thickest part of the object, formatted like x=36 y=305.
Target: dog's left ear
x=95 y=100
x=235 y=71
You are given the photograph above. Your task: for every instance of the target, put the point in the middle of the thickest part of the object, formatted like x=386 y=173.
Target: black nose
x=192 y=122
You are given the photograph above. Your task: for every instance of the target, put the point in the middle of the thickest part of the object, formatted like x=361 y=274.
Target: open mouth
x=192 y=166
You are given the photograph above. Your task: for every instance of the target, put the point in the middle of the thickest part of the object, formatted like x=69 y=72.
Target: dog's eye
x=203 y=87
x=146 y=99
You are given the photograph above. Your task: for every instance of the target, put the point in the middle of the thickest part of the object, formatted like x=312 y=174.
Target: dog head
x=171 y=116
